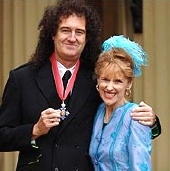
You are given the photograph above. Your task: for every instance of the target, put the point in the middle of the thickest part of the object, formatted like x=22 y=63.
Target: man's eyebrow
x=83 y=30
x=77 y=29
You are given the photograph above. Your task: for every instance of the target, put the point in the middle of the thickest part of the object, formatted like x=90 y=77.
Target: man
x=49 y=125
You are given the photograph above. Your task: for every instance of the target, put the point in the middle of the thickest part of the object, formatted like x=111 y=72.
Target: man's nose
x=72 y=36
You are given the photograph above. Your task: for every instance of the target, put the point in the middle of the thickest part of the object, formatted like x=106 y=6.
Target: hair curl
x=49 y=24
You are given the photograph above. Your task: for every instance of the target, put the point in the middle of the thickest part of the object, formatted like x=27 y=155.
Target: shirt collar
x=62 y=69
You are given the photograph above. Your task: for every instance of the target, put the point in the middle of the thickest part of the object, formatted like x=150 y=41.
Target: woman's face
x=112 y=87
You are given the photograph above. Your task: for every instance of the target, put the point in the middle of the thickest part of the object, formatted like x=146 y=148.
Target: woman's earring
x=97 y=87
x=128 y=92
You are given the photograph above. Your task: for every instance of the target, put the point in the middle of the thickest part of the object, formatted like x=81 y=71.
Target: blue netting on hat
x=138 y=55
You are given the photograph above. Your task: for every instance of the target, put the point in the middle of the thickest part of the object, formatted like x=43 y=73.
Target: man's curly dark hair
x=49 y=24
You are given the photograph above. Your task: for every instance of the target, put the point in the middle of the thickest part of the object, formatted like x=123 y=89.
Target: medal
x=59 y=84
x=64 y=111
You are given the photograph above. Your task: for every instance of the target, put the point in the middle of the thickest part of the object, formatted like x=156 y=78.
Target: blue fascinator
x=138 y=55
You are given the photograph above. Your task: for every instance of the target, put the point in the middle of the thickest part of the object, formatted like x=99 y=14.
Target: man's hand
x=144 y=114
x=48 y=119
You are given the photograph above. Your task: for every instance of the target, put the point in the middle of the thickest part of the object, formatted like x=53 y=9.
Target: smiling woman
x=115 y=69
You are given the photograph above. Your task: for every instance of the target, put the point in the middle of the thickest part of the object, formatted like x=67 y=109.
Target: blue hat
x=136 y=52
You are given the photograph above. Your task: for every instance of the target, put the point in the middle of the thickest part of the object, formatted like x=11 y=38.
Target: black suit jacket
x=65 y=148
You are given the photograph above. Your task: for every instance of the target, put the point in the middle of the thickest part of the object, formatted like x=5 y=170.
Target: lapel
x=80 y=94
x=46 y=84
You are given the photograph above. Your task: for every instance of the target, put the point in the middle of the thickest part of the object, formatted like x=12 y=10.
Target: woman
x=118 y=142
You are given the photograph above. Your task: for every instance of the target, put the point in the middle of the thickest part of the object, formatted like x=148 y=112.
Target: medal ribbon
x=58 y=80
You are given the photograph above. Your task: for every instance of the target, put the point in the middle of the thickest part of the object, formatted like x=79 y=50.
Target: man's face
x=70 y=38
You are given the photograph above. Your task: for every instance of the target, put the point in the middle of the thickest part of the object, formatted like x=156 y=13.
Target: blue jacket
x=123 y=144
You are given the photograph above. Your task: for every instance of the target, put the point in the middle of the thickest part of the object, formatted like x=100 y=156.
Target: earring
x=97 y=87
x=128 y=92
